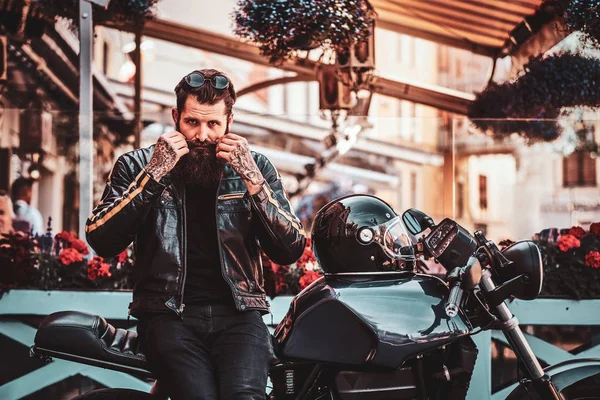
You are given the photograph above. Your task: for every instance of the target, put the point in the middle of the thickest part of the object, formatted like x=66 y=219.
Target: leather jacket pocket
x=167 y=199
x=233 y=203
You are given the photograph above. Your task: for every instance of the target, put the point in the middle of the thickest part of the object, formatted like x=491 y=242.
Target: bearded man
x=199 y=206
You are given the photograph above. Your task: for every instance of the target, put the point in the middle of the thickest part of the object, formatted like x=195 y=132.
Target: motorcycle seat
x=89 y=339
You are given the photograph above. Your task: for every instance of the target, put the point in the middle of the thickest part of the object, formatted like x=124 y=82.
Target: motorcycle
x=388 y=335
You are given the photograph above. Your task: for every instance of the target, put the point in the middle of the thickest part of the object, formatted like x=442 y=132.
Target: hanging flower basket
x=304 y=40
x=118 y=11
x=282 y=27
x=584 y=16
x=530 y=105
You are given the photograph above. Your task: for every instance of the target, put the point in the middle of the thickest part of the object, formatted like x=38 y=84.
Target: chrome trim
x=388 y=389
x=446 y=373
x=369 y=273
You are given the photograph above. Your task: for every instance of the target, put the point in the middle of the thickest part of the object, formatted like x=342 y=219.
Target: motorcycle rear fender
x=563 y=375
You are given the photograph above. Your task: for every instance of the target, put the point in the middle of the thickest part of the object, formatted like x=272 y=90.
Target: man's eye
x=192 y=122
x=212 y=123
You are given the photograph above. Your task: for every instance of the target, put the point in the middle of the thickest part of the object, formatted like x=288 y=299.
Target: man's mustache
x=201 y=145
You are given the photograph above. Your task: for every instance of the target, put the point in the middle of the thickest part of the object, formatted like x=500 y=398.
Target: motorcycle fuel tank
x=377 y=320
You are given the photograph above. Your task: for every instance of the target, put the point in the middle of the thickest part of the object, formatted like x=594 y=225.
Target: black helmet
x=361 y=233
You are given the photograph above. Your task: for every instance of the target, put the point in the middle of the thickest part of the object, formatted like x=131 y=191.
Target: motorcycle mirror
x=416 y=221
x=472 y=275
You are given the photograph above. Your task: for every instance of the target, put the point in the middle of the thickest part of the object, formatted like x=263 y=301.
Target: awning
x=427 y=94
x=487 y=27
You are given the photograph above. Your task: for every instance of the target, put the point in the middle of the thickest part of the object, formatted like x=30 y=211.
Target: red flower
x=280 y=286
x=95 y=260
x=122 y=257
x=307 y=256
x=79 y=245
x=577 y=231
x=568 y=242
x=98 y=268
x=592 y=259
x=69 y=256
x=595 y=229
x=308 y=278
x=66 y=236
x=104 y=270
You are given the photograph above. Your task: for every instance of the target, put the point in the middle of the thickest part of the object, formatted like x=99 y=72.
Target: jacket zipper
x=184 y=255
x=231 y=196
x=224 y=197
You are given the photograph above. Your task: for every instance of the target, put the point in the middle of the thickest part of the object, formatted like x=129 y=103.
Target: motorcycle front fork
x=512 y=331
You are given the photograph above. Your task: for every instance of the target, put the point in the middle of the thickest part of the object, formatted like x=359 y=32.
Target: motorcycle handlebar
x=454 y=299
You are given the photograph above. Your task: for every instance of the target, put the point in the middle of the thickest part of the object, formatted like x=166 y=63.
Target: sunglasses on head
x=196 y=79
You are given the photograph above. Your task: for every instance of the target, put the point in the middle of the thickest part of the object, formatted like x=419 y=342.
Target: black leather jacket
x=136 y=208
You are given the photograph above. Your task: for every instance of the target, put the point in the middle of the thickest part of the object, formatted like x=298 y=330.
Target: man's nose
x=202 y=133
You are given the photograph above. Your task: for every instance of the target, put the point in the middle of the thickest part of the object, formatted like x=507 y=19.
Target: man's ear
x=229 y=121
x=175 y=115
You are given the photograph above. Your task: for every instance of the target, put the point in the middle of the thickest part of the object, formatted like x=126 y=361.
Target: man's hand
x=170 y=147
x=234 y=149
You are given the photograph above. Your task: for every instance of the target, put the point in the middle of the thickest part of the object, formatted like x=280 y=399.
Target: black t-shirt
x=204 y=283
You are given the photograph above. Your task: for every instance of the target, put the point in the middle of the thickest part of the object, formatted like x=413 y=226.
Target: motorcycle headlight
x=527 y=261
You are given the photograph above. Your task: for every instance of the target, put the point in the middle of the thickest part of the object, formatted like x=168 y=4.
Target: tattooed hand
x=169 y=148
x=235 y=150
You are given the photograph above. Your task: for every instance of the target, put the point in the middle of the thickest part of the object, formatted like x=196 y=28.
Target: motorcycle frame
x=539 y=380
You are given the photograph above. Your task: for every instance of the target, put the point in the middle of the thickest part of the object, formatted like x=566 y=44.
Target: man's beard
x=200 y=166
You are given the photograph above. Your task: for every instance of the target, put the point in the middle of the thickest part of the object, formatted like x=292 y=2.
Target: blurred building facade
x=507 y=188
x=39 y=112
x=433 y=159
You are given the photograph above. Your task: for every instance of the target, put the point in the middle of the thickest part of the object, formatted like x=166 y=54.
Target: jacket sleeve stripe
x=283 y=212
x=124 y=201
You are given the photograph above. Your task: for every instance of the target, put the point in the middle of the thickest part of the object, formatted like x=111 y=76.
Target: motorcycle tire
x=591 y=394
x=114 y=394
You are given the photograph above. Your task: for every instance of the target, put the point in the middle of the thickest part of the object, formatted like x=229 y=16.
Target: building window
x=443 y=59
x=413 y=189
x=460 y=200
x=483 y=200
x=285 y=101
x=407 y=121
x=579 y=169
x=412 y=109
x=405 y=50
x=105 y=56
x=459 y=73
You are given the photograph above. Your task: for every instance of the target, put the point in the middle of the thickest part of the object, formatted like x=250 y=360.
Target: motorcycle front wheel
x=588 y=389
x=114 y=394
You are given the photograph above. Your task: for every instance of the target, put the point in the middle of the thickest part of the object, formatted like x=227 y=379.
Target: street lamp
x=86 y=138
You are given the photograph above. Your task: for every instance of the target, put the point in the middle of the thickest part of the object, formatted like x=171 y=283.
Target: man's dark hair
x=18 y=185
x=205 y=94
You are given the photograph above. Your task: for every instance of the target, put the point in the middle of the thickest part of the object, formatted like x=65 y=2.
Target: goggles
x=392 y=237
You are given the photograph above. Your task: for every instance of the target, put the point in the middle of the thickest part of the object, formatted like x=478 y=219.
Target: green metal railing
x=113 y=305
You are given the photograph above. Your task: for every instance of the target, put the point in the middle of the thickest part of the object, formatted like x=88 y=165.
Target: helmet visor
x=395 y=240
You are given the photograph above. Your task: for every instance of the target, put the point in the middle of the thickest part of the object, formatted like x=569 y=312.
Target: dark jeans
x=213 y=352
